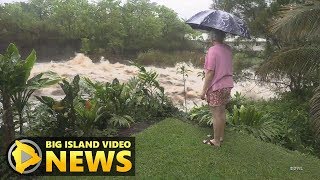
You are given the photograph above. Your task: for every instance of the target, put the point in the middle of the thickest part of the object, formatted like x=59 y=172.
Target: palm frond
x=315 y=112
x=298 y=22
x=304 y=60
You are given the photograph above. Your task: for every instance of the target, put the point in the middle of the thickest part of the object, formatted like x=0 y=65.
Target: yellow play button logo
x=26 y=154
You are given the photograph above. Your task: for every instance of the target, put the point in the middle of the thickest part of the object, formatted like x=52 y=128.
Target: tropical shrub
x=64 y=110
x=40 y=120
x=90 y=117
x=254 y=122
x=293 y=115
x=141 y=99
x=114 y=101
x=14 y=73
x=152 y=96
x=94 y=108
x=237 y=100
x=21 y=98
x=202 y=115
x=246 y=119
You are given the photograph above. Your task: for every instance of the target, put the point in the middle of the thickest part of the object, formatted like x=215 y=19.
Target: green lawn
x=173 y=149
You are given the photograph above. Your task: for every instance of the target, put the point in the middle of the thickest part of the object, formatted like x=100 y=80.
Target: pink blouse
x=219 y=60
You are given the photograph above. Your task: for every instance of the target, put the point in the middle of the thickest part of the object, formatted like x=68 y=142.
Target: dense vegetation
x=105 y=26
x=88 y=108
x=158 y=37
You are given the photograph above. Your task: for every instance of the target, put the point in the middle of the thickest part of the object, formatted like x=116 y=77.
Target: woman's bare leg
x=219 y=115
x=223 y=117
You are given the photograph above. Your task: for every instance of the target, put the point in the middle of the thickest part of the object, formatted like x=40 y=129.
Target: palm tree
x=298 y=22
x=297 y=31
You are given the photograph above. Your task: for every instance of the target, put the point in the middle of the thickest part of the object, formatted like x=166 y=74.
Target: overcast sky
x=184 y=8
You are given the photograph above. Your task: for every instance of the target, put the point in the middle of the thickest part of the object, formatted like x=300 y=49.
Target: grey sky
x=184 y=8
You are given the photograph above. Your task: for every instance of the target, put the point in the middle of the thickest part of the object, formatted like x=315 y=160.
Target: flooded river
x=168 y=77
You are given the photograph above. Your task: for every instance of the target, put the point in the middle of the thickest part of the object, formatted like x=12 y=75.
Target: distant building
x=255 y=44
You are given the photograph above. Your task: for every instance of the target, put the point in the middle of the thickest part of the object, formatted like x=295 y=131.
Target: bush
x=163 y=59
x=201 y=115
x=254 y=122
x=293 y=114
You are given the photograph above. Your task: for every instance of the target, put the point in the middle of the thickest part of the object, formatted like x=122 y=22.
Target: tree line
x=104 y=25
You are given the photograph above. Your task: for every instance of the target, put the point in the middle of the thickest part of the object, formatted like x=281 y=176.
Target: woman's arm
x=207 y=82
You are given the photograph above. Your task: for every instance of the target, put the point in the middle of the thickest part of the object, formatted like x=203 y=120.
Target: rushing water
x=168 y=77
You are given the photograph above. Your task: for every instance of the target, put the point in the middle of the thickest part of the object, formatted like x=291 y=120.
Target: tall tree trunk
x=8 y=125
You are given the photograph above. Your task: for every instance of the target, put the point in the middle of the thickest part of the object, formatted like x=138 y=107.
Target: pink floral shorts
x=219 y=97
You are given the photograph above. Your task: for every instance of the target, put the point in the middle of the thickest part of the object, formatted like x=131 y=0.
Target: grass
x=173 y=149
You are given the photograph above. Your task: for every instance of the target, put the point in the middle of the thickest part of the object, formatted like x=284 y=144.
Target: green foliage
x=64 y=110
x=21 y=98
x=183 y=70
x=315 y=112
x=298 y=22
x=202 y=115
x=114 y=101
x=300 y=65
x=114 y=26
x=90 y=117
x=292 y=113
x=121 y=121
x=247 y=119
x=296 y=34
x=93 y=108
x=85 y=42
x=237 y=100
x=14 y=73
x=284 y=121
x=165 y=59
x=254 y=122
x=41 y=122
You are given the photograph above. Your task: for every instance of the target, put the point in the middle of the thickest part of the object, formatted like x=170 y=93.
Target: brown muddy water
x=168 y=77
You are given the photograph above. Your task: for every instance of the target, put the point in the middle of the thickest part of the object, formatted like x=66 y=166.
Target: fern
x=121 y=121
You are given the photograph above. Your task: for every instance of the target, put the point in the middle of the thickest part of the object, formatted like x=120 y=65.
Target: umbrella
x=221 y=20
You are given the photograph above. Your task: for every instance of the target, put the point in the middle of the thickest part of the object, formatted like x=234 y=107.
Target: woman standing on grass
x=218 y=84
